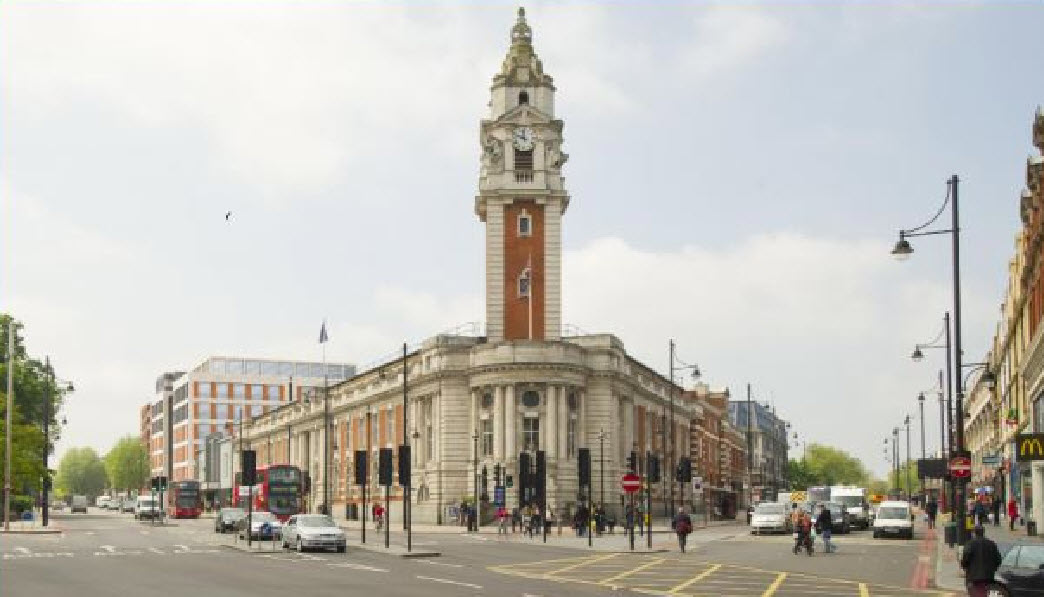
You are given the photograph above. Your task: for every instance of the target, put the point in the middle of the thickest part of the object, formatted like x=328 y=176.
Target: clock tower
x=522 y=197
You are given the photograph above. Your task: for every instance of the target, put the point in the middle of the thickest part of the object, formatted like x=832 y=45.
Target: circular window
x=572 y=400
x=530 y=399
x=487 y=400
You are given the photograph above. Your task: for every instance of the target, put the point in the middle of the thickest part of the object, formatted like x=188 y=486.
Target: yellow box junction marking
x=771 y=590
x=677 y=588
x=863 y=591
x=625 y=574
x=581 y=563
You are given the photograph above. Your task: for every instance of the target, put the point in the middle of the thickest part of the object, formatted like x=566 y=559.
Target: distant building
x=769 y=446
x=214 y=396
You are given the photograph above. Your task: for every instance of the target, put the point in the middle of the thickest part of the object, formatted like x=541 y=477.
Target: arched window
x=523 y=98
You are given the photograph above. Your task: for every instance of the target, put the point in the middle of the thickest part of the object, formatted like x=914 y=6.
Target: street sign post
x=960 y=466
x=631 y=483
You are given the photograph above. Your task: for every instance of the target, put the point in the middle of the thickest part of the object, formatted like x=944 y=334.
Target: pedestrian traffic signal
x=524 y=475
x=541 y=480
x=652 y=467
x=684 y=473
x=248 y=464
x=632 y=462
x=361 y=468
x=584 y=468
x=384 y=467
x=404 y=466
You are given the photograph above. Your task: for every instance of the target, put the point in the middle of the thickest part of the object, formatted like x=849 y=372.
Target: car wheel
x=340 y=548
x=876 y=535
x=996 y=590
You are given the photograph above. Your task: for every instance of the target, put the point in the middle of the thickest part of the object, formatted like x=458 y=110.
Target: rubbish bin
x=1031 y=528
x=950 y=533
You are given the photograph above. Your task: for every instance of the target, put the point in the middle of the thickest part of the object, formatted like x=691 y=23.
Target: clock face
x=523 y=138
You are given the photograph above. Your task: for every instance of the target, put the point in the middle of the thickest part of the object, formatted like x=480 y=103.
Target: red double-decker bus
x=278 y=490
x=185 y=500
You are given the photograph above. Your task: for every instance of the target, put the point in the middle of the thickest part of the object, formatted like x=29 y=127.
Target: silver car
x=313 y=531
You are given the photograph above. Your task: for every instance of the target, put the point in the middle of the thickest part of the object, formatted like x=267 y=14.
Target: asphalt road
x=104 y=553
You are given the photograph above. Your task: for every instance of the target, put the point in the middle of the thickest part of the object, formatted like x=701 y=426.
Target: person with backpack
x=682 y=524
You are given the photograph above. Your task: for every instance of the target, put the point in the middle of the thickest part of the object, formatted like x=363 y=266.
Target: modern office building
x=215 y=396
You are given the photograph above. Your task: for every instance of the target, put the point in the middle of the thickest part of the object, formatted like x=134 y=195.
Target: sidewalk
x=948 y=573
x=31 y=527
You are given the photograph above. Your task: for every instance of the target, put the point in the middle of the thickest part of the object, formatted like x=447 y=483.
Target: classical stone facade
x=473 y=404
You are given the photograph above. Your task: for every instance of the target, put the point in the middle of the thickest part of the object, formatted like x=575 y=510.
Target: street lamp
x=50 y=386
x=675 y=364
x=903 y=250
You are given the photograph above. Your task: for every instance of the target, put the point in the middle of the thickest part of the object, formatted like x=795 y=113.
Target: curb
x=32 y=532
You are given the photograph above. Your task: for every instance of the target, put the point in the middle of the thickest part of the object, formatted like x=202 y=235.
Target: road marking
x=677 y=588
x=863 y=591
x=584 y=562
x=24 y=550
x=144 y=532
x=650 y=564
x=434 y=563
x=156 y=550
x=450 y=582
x=357 y=567
x=771 y=590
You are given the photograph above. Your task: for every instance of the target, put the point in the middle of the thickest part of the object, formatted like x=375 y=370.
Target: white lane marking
x=156 y=550
x=89 y=533
x=23 y=550
x=475 y=537
x=144 y=532
x=108 y=548
x=357 y=567
x=434 y=563
x=450 y=582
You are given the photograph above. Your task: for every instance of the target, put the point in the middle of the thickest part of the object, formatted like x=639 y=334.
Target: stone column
x=627 y=431
x=563 y=422
x=473 y=421
x=510 y=430
x=551 y=434
x=498 y=423
x=581 y=396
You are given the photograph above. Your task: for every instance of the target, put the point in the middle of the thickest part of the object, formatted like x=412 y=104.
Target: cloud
x=727 y=38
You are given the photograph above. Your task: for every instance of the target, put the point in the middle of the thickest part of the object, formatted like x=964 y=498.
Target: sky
x=738 y=174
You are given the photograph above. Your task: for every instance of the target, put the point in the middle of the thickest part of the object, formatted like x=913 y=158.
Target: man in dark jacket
x=980 y=561
x=824 y=526
x=932 y=510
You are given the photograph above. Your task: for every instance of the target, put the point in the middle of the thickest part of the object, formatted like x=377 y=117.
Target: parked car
x=771 y=517
x=894 y=518
x=147 y=506
x=57 y=505
x=1021 y=572
x=313 y=531
x=127 y=505
x=258 y=522
x=79 y=504
x=227 y=518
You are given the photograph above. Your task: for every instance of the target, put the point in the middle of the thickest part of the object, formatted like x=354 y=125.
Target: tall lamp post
x=902 y=251
x=895 y=457
x=909 y=485
x=50 y=386
x=7 y=433
x=675 y=364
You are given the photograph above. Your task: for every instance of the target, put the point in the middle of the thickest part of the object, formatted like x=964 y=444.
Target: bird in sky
x=228 y=215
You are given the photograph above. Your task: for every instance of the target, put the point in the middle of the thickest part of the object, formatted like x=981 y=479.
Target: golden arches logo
x=1031 y=446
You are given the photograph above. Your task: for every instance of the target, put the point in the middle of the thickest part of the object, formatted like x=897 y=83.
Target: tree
x=127 y=464
x=26 y=454
x=81 y=472
x=825 y=466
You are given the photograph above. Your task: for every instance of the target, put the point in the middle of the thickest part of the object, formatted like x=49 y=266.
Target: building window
x=573 y=402
x=238 y=390
x=571 y=429
x=389 y=424
x=374 y=436
x=303 y=370
x=523 y=98
x=530 y=399
x=234 y=367
x=487 y=437
x=487 y=401
x=429 y=443
x=257 y=392
x=269 y=368
x=203 y=389
x=530 y=433
x=525 y=224
x=222 y=390
x=523 y=284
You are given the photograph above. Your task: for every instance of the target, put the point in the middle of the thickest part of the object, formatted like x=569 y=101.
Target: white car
x=771 y=517
x=313 y=531
x=894 y=518
x=147 y=507
x=79 y=504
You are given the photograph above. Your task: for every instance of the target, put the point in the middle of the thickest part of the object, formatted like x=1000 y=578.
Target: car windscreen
x=1031 y=556
x=314 y=521
x=768 y=509
x=233 y=513
x=263 y=517
x=850 y=500
x=893 y=513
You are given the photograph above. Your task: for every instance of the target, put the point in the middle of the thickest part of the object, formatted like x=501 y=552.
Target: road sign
x=992 y=460
x=498 y=495
x=960 y=466
x=631 y=483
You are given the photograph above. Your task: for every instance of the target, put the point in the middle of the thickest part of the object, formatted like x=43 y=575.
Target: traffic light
x=361 y=472
x=541 y=480
x=248 y=464
x=384 y=467
x=684 y=472
x=523 y=478
x=652 y=467
x=632 y=462
x=404 y=466
x=584 y=468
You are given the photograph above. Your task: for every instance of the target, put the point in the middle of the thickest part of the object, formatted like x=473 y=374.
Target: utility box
x=1031 y=528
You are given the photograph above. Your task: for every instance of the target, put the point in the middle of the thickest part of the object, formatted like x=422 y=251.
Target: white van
x=894 y=518
x=79 y=504
x=146 y=506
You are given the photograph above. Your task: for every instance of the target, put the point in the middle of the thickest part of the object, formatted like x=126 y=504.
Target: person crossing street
x=824 y=526
x=682 y=524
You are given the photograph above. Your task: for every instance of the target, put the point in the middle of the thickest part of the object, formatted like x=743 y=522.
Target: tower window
x=525 y=224
x=523 y=159
x=523 y=284
x=523 y=98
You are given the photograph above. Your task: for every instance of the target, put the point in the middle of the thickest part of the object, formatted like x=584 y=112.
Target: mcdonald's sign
x=1029 y=447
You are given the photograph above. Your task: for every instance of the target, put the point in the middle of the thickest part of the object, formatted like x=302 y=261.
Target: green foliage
x=26 y=454
x=33 y=382
x=825 y=466
x=81 y=472
x=127 y=464
x=21 y=503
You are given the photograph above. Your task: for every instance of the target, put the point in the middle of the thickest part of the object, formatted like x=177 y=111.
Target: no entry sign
x=631 y=483
x=960 y=466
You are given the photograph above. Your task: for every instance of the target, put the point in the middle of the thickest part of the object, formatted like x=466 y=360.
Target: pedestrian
x=641 y=520
x=502 y=517
x=682 y=524
x=979 y=512
x=932 y=510
x=825 y=526
x=997 y=503
x=629 y=520
x=1013 y=513
x=980 y=561
x=516 y=519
